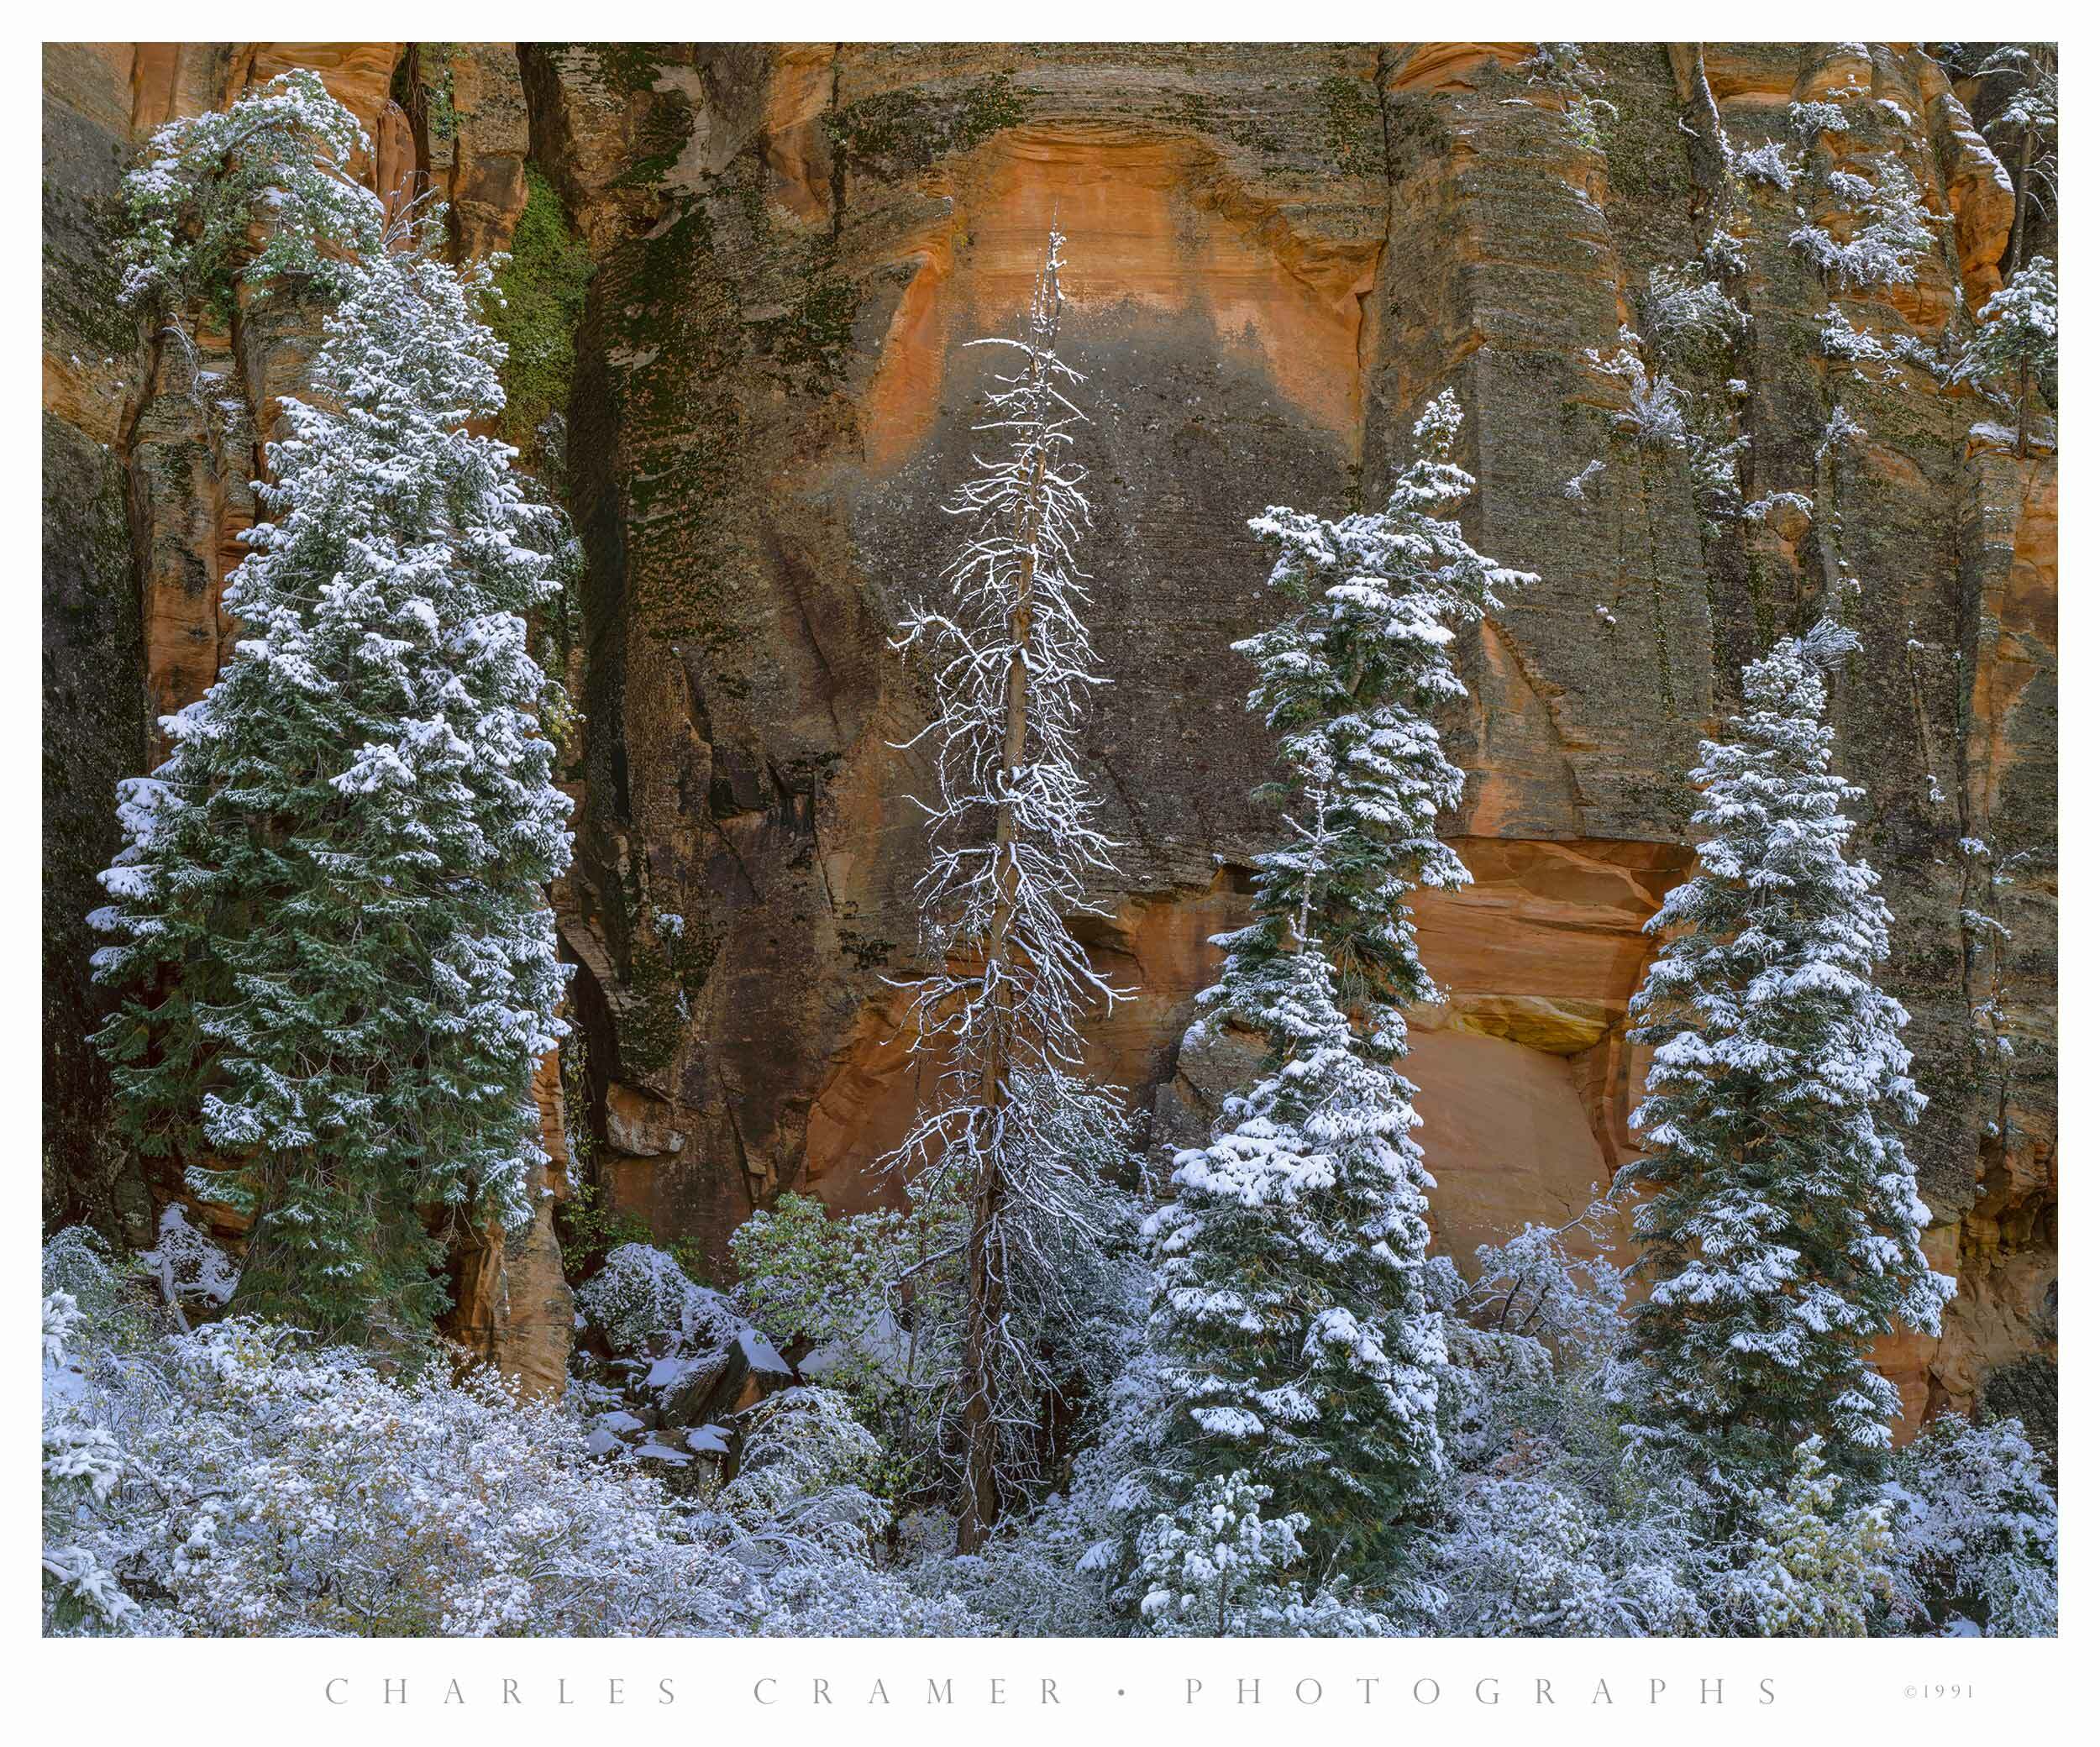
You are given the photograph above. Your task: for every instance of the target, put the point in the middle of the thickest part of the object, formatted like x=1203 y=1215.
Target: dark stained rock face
x=1278 y=253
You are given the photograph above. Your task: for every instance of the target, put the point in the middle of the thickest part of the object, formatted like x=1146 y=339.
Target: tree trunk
x=987 y=1309
x=2020 y=184
x=986 y=1269
x=1698 y=115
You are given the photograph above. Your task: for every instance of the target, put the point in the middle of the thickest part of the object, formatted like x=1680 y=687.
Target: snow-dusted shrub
x=1552 y=1526
x=879 y=1301
x=1691 y=317
x=1216 y=1566
x=1975 y=1528
x=1542 y=1554
x=1695 y=325
x=82 y=1465
x=875 y=1299
x=643 y=1302
x=806 y=1275
x=233 y=1482
x=1841 y=430
x=1767 y=162
x=1563 y=69
x=1816 y=1566
x=77 y=1264
x=804 y=1455
x=1810 y=121
x=1534 y=1287
x=1891 y=230
x=1712 y=466
x=1655 y=413
x=1052 y=1571
x=1521 y=1333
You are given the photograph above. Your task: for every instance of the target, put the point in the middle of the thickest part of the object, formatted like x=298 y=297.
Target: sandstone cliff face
x=1278 y=253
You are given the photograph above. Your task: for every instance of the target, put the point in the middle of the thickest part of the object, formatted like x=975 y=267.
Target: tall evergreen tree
x=1011 y=1130
x=1298 y=1341
x=2026 y=129
x=329 y=915
x=2017 y=342
x=1781 y=1227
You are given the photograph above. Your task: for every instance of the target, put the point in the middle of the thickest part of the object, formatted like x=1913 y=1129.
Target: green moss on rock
x=544 y=285
x=896 y=134
x=1356 y=129
x=816 y=335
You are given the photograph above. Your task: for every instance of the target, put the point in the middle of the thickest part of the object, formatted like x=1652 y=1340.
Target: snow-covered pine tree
x=2026 y=125
x=2017 y=342
x=329 y=917
x=1010 y=1130
x=1297 y=1340
x=1782 y=1226
x=283 y=152
x=1220 y=1568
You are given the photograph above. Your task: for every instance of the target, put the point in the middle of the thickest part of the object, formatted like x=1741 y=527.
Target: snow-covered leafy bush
x=878 y=1301
x=1553 y=1525
x=82 y=1465
x=1563 y=69
x=1891 y=230
x=1713 y=467
x=1534 y=1286
x=1541 y=1554
x=1840 y=339
x=1695 y=326
x=1522 y=1334
x=235 y=1481
x=1840 y=430
x=875 y=1301
x=1767 y=162
x=1693 y=321
x=1974 y=1527
x=806 y=1276
x=77 y=1264
x=798 y=1484
x=1810 y=121
x=1654 y=416
x=1817 y=1567
x=644 y=1302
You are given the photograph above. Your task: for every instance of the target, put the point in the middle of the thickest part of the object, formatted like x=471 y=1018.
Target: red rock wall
x=1278 y=253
